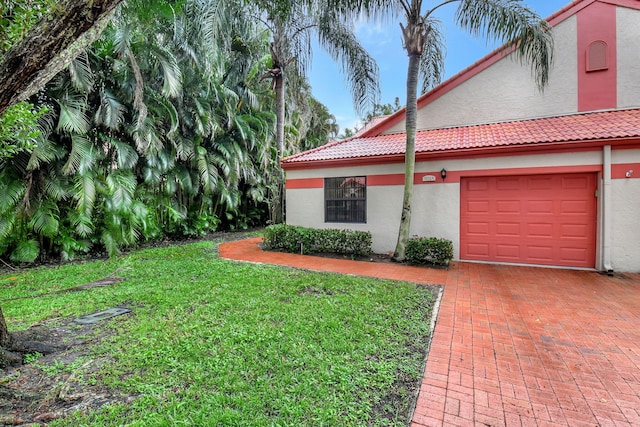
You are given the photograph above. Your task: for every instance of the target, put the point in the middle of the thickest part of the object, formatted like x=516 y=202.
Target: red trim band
x=618 y=171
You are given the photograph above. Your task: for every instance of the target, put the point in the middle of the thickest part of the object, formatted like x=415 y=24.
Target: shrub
x=429 y=250
x=294 y=239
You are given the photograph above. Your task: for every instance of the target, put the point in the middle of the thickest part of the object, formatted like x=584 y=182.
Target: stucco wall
x=435 y=212
x=625 y=229
x=506 y=91
x=436 y=206
x=625 y=215
x=305 y=207
x=628 y=58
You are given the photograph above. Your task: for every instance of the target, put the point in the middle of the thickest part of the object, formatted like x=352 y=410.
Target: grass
x=214 y=342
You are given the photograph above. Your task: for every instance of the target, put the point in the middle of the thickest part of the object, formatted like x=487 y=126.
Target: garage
x=529 y=219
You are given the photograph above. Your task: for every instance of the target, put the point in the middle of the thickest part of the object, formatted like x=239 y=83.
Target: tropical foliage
x=160 y=128
x=293 y=25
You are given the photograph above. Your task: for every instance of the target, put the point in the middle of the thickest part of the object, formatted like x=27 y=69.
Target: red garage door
x=538 y=219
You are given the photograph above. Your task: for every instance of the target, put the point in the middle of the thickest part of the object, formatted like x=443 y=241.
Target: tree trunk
x=278 y=199
x=280 y=113
x=49 y=47
x=5 y=338
x=5 y=343
x=410 y=155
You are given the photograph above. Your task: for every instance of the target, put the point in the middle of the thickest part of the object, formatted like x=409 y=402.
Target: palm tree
x=292 y=25
x=292 y=28
x=507 y=21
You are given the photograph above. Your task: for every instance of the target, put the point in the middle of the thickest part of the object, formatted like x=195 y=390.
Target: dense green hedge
x=429 y=250
x=304 y=240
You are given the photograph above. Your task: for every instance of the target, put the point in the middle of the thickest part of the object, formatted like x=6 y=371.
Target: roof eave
x=500 y=150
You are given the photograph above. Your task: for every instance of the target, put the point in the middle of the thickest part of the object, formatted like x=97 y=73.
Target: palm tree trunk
x=410 y=155
x=278 y=202
x=280 y=93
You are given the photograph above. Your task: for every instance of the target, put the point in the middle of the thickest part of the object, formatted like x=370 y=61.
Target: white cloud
x=348 y=122
x=376 y=35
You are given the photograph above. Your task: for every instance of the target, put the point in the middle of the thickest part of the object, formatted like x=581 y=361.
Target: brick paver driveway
x=516 y=346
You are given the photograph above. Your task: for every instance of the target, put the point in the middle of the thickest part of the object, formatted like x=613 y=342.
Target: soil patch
x=51 y=385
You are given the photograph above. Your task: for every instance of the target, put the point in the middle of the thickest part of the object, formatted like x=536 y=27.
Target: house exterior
x=508 y=173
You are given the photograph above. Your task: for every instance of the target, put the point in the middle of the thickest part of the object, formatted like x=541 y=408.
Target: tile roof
x=571 y=128
x=375 y=121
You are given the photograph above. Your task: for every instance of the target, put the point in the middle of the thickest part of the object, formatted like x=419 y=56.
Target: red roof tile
x=375 y=121
x=572 y=128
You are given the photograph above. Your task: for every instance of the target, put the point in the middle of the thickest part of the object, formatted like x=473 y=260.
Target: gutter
x=606 y=209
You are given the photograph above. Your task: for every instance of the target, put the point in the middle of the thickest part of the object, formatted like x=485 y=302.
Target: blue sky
x=384 y=43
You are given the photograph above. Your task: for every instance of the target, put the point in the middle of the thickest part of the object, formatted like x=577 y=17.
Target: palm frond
x=46 y=219
x=84 y=193
x=82 y=223
x=151 y=175
x=122 y=39
x=360 y=69
x=121 y=186
x=171 y=72
x=80 y=72
x=7 y=223
x=110 y=112
x=138 y=219
x=176 y=212
x=185 y=180
x=167 y=110
x=147 y=138
x=209 y=18
x=81 y=157
x=12 y=190
x=110 y=242
x=26 y=251
x=127 y=155
x=433 y=54
x=70 y=247
x=56 y=186
x=73 y=117
x=207 y=171
x=513 y=23
x=45 y=151
x=185 y=148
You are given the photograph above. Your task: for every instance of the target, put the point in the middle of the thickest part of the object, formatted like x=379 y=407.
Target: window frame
x=331 y=215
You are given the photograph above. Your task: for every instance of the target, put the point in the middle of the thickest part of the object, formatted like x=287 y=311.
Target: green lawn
x=214 y=342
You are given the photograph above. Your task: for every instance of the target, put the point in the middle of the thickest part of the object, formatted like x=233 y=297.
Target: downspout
x=606 y=210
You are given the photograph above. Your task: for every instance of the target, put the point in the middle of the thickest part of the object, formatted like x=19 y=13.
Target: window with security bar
x=345 y=199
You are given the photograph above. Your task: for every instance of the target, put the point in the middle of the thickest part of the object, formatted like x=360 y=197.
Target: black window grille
x=345 y=199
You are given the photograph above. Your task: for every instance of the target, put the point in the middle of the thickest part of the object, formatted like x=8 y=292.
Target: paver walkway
x=515 y=346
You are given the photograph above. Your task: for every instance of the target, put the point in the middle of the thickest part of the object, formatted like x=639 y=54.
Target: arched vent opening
x=597 y=56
